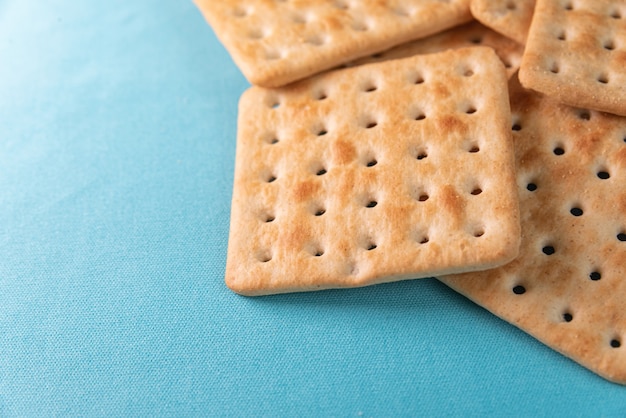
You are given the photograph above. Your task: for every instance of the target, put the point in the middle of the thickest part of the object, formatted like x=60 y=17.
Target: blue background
x=117 y=141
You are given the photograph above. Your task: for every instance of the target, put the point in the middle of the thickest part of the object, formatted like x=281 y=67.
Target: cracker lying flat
x=576 y=53
x=511 y=18
x=470 y=34
x=568 y=286
x=275 y=42
x=381 y=172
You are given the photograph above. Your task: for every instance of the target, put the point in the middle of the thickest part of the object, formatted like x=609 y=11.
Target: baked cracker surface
x=576 y=53
x=567 y=288
x=387 y=171
x=276 y=42
x=511 y=18
x=470 y=34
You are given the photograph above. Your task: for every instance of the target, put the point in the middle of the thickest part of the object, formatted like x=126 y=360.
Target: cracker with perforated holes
x=511 y=18
x=387 y=171
x=275 y=42
x=576 y=53
x=470 y=34
x=567 y=288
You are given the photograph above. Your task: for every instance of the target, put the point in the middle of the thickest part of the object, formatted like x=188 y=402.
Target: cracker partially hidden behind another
x=382 y=172
x=277 y=42
x=511 y=18
x=576 y=53
x=567 y=288
x=470 y=34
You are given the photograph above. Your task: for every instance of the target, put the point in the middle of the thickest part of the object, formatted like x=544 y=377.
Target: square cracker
x=576 y=53
x=376 y=173
x=275 y=42
x=470 y=34
x=511 y=18
x=567 y=288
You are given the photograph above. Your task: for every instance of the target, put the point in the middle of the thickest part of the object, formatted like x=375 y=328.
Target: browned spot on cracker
x=304 y=190
x=528 y=158
x=441 y=90
x=451 y=124
x=588 y=146
x=620 y=157
x=343 y=152
x=452 y=204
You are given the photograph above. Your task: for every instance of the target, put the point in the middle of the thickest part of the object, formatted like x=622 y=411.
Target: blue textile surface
x=117 y=141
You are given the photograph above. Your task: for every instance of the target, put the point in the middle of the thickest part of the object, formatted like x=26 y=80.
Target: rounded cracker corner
x=240 y=287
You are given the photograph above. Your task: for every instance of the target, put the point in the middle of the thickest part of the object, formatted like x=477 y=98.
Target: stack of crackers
x=482 y=142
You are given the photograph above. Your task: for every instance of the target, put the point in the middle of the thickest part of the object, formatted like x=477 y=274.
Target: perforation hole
x=368 y=200
x=558 y=151
x=603 y=79
x=272 y=101
x=595 y=276
x=474 y=148
x=554 y=68
x=615 y=343
x=273 y=55
x=531 y=187
x=584 y=115
x=371 y=163
x=321 y=132
x=401 y=12
x=368 y=122
x=341 y=5
x=479 y=233
x=567 y=317
x=320 y=95
x=470 y=110
x=359 y=26
x=315 y=40
x=271 y=139
x=419 y=79
x=298 y=18
x=419 y=115
x=476 y=191
x=616 y=14
x=371 y=246
x=576 y=211
x=621 y=236
x=270 y=178
x=568 y=6
x=421 y=154
x=476 y=40
x=516 y=126
x=519 y=289
x=264 y=256
x=319 y=253
x=603 y=175
x=369 y=87
x=240 y=12
x=423 y=197
x=267 y=218
x=609 y=45
x=256 y=34
x=561 y=36
x=423 y=239
x=320 y=172
x=548 y=250
x=468 y=73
